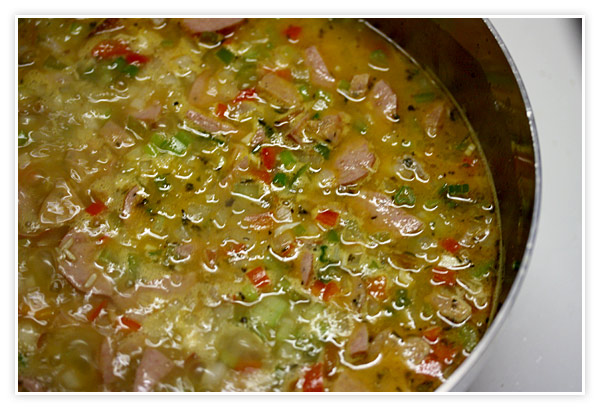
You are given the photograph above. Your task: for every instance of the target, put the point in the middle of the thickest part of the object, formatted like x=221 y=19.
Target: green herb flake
x=280 y=179
x=378 y=58
x=402 y=300
x=323 y=150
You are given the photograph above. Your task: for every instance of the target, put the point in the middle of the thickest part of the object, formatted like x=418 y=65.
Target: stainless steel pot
x=471 y=61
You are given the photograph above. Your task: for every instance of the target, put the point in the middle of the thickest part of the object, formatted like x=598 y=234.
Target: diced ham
x=434 y=119
x=149 y=114
x=450 y=305
x=31 y=385
x=383 y=99
x=319 y=73
x=329 y=129
x=306 y=266
x=153 y=367
x=358 y=342
x=354 y=162
x=198 y=95
x=131 y=199
x=209 y=124
x=359 y=85
x=105 y=362
x=379 y=211
x=201 y=25
x=76 y=262
x=185 y=250
x=346 y=383
x=116 y=135
x=258 y=138
x=60 y=206
x=283 y=91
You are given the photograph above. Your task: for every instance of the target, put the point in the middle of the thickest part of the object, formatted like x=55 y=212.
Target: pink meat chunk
x=283 y=91
x=306 y=266
x=77 y=264
x=149 y=114
x=384 y=99
x=319 y=73
x=433 y=119
x=383 y=215
x=354 y=162
x=198 y=95
x=359 y=85
x=209 y=124
x=358 y=342
x=131 y=199
x=116 y=135
x=153 y=367
x=105 y=362
x=329 y=129
x=202 y=25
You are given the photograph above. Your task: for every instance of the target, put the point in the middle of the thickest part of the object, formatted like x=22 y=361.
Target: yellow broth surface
x=243 y=205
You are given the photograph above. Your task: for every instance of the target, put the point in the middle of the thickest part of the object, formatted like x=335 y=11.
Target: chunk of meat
x=76 y=262
x=283 y=91
x=89 y=163
x=153 y=367
x=202 y=25
x=354 y=162
x=346 y=383
x=210 y=124
x=358 y=342
x=450 y=305
x=329 y=129
x=105 y=362
x=258 y=138
x=415 y=350
x=379 y=211
x=148 y=114
x=116 y=135
x=384 y=100
x=198 y=95
x=31 y=384
x=319 y=73
x=359 y=85
x=60 y=206
x=131 y=199
x=306 y=266
x=433 y=120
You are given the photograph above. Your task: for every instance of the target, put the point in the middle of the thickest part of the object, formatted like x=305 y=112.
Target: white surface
x=540 y=347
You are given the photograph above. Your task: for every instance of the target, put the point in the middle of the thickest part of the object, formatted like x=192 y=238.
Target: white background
x=540 y=346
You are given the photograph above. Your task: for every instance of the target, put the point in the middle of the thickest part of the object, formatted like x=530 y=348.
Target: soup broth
x=244 y=205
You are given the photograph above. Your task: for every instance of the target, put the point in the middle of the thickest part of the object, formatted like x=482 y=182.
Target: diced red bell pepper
x=114 y=48
x=432 y=334
x=450 y=244
x=130 y=323
x=325 y=291
x=293 y=32
x=444 y=276
x=244 y=95
x=313 y=379
x=444 y=353
x=259 y=278
x=95 y=208
x=261 y=174
x=377 y=287
x=328 y=217
x=268 y=156
x=220 y=110
x=95 y=312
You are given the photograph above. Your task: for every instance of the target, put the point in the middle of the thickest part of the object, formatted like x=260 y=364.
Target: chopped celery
x=285 y=328
x=225 y=55
x=304 y=92
x=270 y=310
x=298 y=174
x=402 y=300
x=405 y=196
x=333 y=236
x=481 y=270
x=287 y=158
x=468 y=336
x=344 y=85
x=299 y=230
x=378 y=58
x=249 y=293
x=424 y=97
